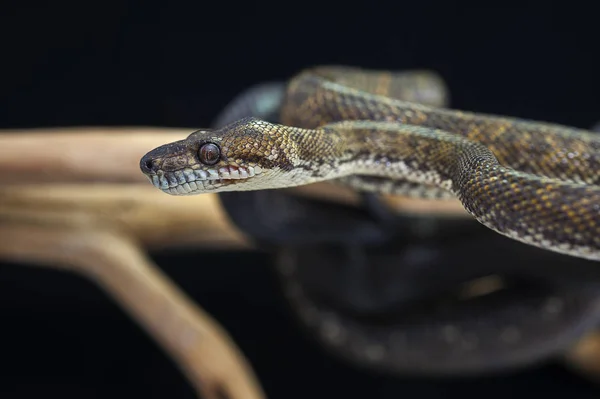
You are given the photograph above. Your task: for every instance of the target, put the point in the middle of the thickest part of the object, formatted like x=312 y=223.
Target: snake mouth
x=190 y=181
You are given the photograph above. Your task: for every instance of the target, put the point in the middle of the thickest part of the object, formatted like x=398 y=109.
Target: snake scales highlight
x=532 y=181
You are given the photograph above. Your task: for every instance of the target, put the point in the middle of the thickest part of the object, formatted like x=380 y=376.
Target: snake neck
x=381 y=149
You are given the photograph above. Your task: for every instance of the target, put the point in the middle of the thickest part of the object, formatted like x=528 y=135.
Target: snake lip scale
x=189 y=181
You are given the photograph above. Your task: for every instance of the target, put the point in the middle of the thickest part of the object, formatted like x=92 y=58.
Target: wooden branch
x=200 y=347
x=79 y=154
x=155 y=219
x=62 y=206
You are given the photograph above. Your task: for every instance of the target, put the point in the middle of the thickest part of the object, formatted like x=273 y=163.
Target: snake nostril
x=147 y=165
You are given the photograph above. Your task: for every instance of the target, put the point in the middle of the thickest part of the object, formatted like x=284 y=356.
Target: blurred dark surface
x=166 y=64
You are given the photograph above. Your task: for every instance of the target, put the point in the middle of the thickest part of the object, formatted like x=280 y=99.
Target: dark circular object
x=147 y=165
x=209 y=153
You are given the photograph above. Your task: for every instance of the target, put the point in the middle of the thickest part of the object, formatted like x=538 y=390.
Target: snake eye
x=209 y=154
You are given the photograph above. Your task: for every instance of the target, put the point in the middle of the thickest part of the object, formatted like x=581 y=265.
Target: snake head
x=249 y=154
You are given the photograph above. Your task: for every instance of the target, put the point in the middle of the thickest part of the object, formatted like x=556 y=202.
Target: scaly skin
x=264 y=101
x=450 y=342
x=531 y=181
x=539 y=148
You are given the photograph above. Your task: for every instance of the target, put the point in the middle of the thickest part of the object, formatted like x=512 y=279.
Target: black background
x=170 y=64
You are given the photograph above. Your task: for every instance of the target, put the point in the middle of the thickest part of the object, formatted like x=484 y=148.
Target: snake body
x=441 y=332
x=514 y=328
x=406 y=322
x=534 y=182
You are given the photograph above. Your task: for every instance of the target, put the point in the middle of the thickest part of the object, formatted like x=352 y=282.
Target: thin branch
x=155 y=219
x=78 y=154
x=200 y=347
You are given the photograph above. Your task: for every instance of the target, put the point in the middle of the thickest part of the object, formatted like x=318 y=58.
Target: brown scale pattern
x=247 y=146
x=495 y=186
x=534 y=147
x=543 y=212
x=532 y=181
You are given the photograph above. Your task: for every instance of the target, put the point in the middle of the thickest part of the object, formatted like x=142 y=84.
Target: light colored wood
x=75 y=199
x=200 y=347
x=79 y=154
x=155 y=219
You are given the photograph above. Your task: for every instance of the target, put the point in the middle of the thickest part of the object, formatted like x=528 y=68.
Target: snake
x=511 y=329
x=406 y=322
x=535 y=182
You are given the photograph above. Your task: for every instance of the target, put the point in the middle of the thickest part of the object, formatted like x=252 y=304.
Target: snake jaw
x=190 y=181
